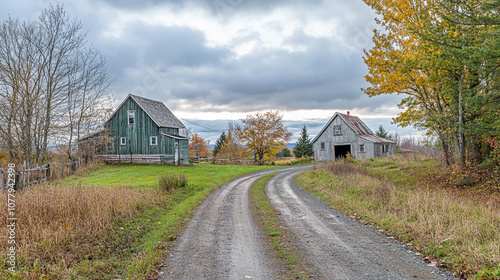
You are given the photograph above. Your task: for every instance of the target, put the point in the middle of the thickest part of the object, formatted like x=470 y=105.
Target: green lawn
x=145 y=176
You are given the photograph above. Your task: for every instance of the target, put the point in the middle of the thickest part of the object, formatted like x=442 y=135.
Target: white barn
x=346 y=134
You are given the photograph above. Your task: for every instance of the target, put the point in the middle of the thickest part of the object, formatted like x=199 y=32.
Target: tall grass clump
x=169 y=182
x=461 y=231
x=58 y=225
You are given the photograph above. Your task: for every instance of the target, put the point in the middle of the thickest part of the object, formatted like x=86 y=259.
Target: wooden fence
x=39 y=174
x=138 y=158
x=199 y=159
x=222 y=161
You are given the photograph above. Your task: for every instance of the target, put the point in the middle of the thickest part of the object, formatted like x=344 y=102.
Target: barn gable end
x=346 y=134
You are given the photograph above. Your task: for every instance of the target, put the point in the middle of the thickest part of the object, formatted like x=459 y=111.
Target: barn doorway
x=341 y=151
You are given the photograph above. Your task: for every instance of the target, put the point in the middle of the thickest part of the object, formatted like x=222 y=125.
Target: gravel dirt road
x=222 y=241
x=336 y=246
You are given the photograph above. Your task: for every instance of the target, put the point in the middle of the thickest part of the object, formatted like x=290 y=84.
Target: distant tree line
x=53 y=86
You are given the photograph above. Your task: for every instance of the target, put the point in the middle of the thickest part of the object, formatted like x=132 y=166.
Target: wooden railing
x=28 y=176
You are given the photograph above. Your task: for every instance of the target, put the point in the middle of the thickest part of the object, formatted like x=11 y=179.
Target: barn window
x=131 y=117
x=123 y=141
x=153 y=140
x=337 y=130
x=322 y=146
x=362 y=148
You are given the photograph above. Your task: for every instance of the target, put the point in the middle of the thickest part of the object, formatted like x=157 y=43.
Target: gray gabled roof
x=358 y=126
x=156 y=110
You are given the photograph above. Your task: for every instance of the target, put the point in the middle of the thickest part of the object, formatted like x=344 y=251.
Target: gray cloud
x=177 y=64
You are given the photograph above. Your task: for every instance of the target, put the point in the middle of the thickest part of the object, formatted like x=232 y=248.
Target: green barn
x=142 y=130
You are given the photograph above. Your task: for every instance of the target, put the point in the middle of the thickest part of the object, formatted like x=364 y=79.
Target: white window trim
x=151 y=140
x=128 y=116
x=322 y=146
x=362 y=148
x=123 y=141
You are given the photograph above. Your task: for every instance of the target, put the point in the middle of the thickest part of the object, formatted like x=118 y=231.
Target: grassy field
x=109 y=222
x=267 y=217
x=459 y=228
x=146 y=176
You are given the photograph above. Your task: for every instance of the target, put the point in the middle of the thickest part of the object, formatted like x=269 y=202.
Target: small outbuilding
x=142 y=130
x=345 y=134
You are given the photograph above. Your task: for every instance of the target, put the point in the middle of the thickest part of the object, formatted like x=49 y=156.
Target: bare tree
x=53 y=86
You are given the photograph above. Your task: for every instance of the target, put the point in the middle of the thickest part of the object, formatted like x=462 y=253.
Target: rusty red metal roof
x=359 y=127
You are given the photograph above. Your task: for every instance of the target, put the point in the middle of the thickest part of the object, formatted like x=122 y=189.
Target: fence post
x=1 y=177
x=24 y=174
x=16 y=183
x=47 y=172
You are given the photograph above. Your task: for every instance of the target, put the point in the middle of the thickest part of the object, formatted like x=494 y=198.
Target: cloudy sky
x=214 y=61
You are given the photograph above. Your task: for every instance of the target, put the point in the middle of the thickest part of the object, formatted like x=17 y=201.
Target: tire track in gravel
x=337 y=247
x=222 y=241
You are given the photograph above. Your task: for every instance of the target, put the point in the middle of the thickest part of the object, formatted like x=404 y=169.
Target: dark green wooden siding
x=170 y=142
x=183 y=149
x=138 y=134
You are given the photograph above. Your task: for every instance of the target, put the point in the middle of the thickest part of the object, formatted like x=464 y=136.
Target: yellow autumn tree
x=440 y=55
x=264 y=134
x=402 y=63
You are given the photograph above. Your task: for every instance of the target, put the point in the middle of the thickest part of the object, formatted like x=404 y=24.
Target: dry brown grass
x=57 y=225
x=463 y=232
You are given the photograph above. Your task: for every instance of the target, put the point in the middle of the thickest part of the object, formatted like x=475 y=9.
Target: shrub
x=170 y=182
x=303 y=160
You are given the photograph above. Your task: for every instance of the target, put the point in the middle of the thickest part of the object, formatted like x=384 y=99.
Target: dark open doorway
x=341 y=151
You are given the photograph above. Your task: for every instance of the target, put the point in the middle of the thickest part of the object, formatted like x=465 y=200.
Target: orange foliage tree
x=264 y=134
x=198 y=146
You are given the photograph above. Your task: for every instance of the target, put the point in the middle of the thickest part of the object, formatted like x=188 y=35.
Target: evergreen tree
x=219 y=143
x=382 y=132
x=286 y=152
x=304 y=147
